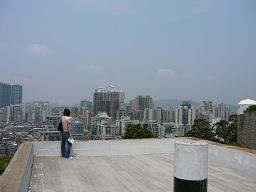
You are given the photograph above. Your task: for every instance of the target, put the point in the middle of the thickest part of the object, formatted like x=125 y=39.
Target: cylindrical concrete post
x=190 y=166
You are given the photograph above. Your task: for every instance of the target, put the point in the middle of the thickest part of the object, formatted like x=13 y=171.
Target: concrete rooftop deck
x=132 y=165
x=121 y=165
x=147 y=172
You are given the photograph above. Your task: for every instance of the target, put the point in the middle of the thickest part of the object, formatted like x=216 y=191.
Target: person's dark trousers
x=65 y=151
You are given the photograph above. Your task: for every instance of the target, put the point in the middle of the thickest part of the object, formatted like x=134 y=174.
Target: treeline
x=137 y=131
x=4 y=162
x=222 y=131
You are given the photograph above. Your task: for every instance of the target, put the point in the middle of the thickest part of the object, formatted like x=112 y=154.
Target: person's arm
x=69 y=129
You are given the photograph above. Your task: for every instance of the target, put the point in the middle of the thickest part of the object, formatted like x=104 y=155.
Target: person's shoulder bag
x=60 y=128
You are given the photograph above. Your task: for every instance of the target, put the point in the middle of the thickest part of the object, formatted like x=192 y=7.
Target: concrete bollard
x=190 y=166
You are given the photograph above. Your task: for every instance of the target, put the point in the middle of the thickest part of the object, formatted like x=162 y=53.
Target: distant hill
x=175 y=103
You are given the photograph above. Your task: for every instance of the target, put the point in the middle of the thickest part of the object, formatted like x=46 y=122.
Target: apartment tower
x=5 y=94
x=108 y=101
x=16 y=96
x=140 y=103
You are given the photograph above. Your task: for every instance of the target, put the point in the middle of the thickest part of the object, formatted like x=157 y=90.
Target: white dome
x=247 y=102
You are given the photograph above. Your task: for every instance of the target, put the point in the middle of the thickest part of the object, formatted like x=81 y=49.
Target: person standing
x=66 y=134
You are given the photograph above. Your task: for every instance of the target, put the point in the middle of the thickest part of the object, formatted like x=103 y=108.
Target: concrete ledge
x=241 y=159
x=237 y=159
x=106 y=148
x=16 y=177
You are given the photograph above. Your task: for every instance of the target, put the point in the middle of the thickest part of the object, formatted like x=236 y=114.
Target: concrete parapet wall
x=242 y=159
x=109 y=147
x=237 y=159
x=16 y=177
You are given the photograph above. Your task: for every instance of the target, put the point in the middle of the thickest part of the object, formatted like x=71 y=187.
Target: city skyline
x=162 y=102
x=61 y=51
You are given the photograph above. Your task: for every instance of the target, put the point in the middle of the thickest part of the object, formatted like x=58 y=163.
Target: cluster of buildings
x=106 y=117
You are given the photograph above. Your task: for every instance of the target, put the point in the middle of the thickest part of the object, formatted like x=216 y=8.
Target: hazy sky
x=62 y=50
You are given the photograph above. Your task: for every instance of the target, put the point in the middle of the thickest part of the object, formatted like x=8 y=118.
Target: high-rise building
x=206 y=107
x=186 y=103
x=148 y=115
x=160 y=115
x=16 y=95
x=5 y=94
x=140 y=103
x=137 y=115
x=108 y=101
x=86 y=104
x=154 y=128
x=194 y=113
x=10 y=94
x=123 y=123
x=16 y=113
x=41 y=110
x=221 y=111
x=77 y=129
x=125 y=111
x=102 y=128
x=182 y=113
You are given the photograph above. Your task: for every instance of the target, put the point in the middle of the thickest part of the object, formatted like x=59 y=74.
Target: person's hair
x=66 y=112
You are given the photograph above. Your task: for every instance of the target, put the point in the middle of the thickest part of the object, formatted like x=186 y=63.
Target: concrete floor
x=120 y=173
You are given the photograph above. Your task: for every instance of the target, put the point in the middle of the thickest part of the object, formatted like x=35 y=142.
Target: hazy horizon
x=61 y=51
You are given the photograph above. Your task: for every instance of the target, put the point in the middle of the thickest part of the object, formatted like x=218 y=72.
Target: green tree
x=202 y=129
x=221 y=131
x=232 y=120
x=225 y=131
x=252 y=108
x=136 y=131
x=4 y=162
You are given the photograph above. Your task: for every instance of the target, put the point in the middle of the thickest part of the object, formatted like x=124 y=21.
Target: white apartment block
x=181 y=115
x=155 y=128
x=221 y=111
x=160 y=115
x=123 y=123
x=102 y=128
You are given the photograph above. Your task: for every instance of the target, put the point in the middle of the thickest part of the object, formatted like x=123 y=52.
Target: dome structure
x=247 y=102
x=244 y=104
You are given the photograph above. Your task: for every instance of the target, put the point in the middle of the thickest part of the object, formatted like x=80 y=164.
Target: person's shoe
x=71 y=157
